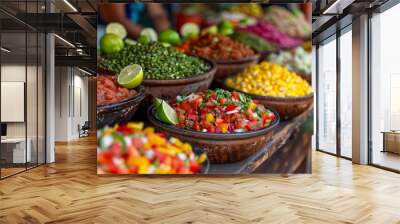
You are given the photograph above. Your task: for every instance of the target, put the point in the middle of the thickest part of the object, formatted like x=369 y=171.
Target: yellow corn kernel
x=210 y=117
x=186 y=148
x=148 y=130
x=202 y=158
x=136 y=125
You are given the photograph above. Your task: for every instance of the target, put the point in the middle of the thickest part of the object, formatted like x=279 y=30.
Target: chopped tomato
x=220 y=111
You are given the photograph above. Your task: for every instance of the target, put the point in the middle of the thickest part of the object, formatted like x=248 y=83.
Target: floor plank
x=69 y=191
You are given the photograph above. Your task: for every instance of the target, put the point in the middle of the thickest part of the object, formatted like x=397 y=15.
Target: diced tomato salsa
x=221 y=111
x=109 y=91
x=130 y=149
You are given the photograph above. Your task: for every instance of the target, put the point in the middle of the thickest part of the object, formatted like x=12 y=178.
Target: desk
x=391 y=141
x=13 y=150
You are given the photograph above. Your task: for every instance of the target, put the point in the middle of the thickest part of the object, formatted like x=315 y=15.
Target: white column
x=50 y=98
x=360 y=90
x=50 y=92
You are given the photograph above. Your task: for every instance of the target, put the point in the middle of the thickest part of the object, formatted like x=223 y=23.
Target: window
x=346 y=95
x=327 y=96
x=385 y=87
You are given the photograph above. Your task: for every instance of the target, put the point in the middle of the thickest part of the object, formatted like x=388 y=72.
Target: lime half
x=189 y=30
x=129 y=41
x=131 y=76
x=117 y=29
x=166 y=113
x=150 y=33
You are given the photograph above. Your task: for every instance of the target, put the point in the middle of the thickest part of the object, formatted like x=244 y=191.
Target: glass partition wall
x=22 y=77
x=334 y=94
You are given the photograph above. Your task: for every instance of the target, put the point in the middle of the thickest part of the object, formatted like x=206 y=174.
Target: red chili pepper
x=124 y=129
x=194 y=167
x=230 y=107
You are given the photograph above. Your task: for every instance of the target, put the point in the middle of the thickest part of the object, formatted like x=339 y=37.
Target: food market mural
x=204 y=88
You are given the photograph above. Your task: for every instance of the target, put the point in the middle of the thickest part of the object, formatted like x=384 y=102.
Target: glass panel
x=41 y=99
x=346 y=94
x=327 y=97
x=31 y=98
x=32 y=88
x=13 y=86
x=385 y=84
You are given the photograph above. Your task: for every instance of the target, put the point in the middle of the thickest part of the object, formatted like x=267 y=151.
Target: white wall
x=34 y=125
x=71 y=93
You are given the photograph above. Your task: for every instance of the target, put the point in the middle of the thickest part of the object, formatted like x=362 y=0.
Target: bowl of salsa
x=116 y=104
x=228 y=126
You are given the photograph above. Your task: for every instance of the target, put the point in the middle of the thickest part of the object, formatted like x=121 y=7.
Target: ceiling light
x=64 y=40
x=84 y=71
x=5 y=50
x=337 y=7
x=70 y=5
x=326 y=11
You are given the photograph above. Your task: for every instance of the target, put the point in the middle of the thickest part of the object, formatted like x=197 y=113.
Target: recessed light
x=64 y=40
x=70 y=5
x=5 y=50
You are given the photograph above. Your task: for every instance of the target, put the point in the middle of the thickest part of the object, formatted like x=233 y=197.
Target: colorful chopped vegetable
x=297 y=60
x=217 y=47
x=221 y=111
x=250 y=9
x=157 y=61
x=254 y=41
x=271 y=34
x=294 y=24
x=130 y=149
x=267 y=79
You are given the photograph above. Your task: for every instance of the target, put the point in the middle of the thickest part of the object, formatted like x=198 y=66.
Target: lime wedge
x=129 y=41
x=164 y=44
x=189 y=30
x=131 y=76
x=157 y=102
x=166 y=113
x=150 y=33
x=211 y=30
x=117 y=29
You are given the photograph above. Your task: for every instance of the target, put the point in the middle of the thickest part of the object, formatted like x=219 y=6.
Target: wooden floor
x=70 y=192
x=387 y=159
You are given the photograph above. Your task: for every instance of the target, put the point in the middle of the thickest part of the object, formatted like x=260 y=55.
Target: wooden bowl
x=220 y=148
x=306 y=77
x=167 y=89
x=119 y=112
x=287 y=107
x=226 y=68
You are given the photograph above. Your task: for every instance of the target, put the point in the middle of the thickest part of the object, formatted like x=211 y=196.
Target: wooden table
x=391 y=141
x=288 y=151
